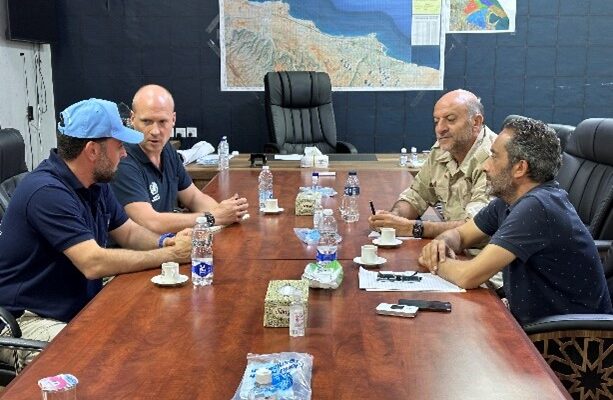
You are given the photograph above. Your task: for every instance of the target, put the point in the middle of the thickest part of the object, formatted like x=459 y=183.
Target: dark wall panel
x=556 y=67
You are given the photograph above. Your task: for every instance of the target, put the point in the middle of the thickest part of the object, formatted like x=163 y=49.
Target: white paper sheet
x=288 y=157
x=428 y=283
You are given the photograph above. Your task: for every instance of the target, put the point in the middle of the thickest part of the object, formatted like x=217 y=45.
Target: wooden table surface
x=139 y=341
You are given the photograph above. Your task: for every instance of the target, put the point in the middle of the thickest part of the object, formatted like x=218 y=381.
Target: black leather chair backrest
x=12 y=154
x=587 y=174
x=299 y=111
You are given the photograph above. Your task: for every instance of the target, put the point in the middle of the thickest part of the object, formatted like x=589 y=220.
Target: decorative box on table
x=305 y=201
x=278 y=298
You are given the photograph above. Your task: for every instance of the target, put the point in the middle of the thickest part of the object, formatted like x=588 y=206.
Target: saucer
x=272 y=210
x=379 y=261
x=160 y=282
x=396 y=242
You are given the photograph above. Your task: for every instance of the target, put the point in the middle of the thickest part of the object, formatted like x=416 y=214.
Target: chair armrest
x=21 y=344
x=6 y=318
x=345 y=147
x=273 y=148
x=603 y=245
x=569 y=322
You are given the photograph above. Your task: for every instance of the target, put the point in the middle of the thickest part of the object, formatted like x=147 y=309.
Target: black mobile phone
x=427 y=305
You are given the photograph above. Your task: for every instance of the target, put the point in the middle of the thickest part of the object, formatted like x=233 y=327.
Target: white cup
x=369 y=254
x=388 y=236
x=271 y=204
x=170 y=272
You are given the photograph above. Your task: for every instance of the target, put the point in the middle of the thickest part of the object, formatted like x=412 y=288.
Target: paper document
x=288 y=157
x=211 y=159
x=429 y=283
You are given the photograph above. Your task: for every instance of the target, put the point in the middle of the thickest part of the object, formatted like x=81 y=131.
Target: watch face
x=418 y=229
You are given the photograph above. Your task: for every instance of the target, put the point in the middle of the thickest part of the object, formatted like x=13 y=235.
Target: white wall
x=25 y=79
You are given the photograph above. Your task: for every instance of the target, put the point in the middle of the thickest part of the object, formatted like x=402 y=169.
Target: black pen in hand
x=372 y=207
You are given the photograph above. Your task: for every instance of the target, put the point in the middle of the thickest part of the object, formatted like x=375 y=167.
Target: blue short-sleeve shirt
x=557 y=269
x=49 y=212
x=139 y=180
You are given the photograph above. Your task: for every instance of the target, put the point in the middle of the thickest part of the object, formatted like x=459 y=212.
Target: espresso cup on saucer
x=271 y=205
x=388 y=236
x=369 y=254
x=170 y=272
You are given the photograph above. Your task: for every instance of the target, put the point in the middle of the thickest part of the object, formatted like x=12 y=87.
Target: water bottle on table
x=223 y=151
x=315 y=181
x=327 y=245
x=404 y=157
x=297 y=323
x=349 y=204
x=414 y=158
x=318 y=213
x=202 y=253
x=265 y=186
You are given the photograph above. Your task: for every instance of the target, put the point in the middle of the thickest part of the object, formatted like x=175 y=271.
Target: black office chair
x=300 y=113
x=14 y=342
x=587 y=174
x=12 y=165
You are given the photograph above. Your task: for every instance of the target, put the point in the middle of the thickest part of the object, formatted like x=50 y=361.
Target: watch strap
x=418 y=229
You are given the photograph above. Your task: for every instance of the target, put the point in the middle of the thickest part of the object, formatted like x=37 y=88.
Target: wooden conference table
x=139 y=341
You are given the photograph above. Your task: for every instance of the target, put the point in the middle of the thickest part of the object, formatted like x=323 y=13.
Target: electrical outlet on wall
x=192 y=131
x=180 y=132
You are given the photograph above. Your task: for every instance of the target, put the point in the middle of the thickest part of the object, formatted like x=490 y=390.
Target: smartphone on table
x=427 y=305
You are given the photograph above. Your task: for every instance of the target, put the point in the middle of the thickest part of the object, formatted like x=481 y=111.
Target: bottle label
x=202 y=269
x=352 y=190
x=321 y=257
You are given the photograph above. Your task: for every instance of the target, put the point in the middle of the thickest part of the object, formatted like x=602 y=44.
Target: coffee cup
x=369 y=254
x=170 y=272
x=388 y=236
x=272 y=204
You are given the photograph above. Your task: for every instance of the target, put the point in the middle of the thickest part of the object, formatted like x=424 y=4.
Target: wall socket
x=180 y=132
x=192 y=131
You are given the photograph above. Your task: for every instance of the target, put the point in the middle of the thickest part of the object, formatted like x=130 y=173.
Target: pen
x=372 y=207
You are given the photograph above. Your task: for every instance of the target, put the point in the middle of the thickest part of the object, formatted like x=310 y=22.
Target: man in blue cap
x=54 y=234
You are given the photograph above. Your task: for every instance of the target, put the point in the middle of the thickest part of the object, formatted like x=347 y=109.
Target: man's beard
x=501 y=186
x=104 y=172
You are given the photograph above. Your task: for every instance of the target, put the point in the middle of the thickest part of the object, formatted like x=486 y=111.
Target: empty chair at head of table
x=300 y=113
x=12 y=164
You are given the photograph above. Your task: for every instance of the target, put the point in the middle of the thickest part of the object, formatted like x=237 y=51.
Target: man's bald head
x=153 y=96
x=467 y=99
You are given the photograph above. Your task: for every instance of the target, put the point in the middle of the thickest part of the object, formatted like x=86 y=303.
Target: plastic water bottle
x=349 y=204
x=202 y=253
x=263 y=389
x=297 y=321
x=414 y=158
x=318 y=213
x=404 y=157
x=223 y=150
x=327 y=245
x=265 y=186
x=315 y=181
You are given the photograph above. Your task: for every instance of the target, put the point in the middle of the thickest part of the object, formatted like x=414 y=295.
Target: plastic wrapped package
x=291 y=374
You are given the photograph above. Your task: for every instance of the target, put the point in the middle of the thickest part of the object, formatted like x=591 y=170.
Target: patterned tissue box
x=278 y=298
x=305 y=201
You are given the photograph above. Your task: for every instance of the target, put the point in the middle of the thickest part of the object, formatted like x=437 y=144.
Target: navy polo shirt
x=557 y=269
x=50 y=212
x=139 y=180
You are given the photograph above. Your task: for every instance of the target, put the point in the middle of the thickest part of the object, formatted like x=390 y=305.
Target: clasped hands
x=230 y=210
x=435 y=253
x=181 y=245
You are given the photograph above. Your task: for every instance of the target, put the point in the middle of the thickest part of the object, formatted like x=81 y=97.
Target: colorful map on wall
x=361 y=44
x=482 y=16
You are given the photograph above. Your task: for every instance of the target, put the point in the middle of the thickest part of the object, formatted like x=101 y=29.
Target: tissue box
x=305 y=201
x=321 y=161
x=278 y=298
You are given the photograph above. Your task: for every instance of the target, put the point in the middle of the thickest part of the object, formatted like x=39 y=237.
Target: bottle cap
x=201 y=220
x=224 y=138
x=263 y=376
x=265 y=167
x=413 y=150
x=353 y=173
x=315 y=173
x=404 y=150
x=328 y=211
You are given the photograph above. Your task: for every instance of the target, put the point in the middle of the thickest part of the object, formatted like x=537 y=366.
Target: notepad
x=428 y=283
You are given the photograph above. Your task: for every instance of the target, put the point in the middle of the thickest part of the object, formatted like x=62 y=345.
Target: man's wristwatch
x=210 y=219
x=418 y=229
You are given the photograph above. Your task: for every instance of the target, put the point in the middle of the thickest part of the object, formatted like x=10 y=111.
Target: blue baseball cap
x=94 y=119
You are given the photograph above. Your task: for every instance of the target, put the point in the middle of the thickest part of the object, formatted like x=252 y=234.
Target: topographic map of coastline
x=482 y=16
x=361 y=44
